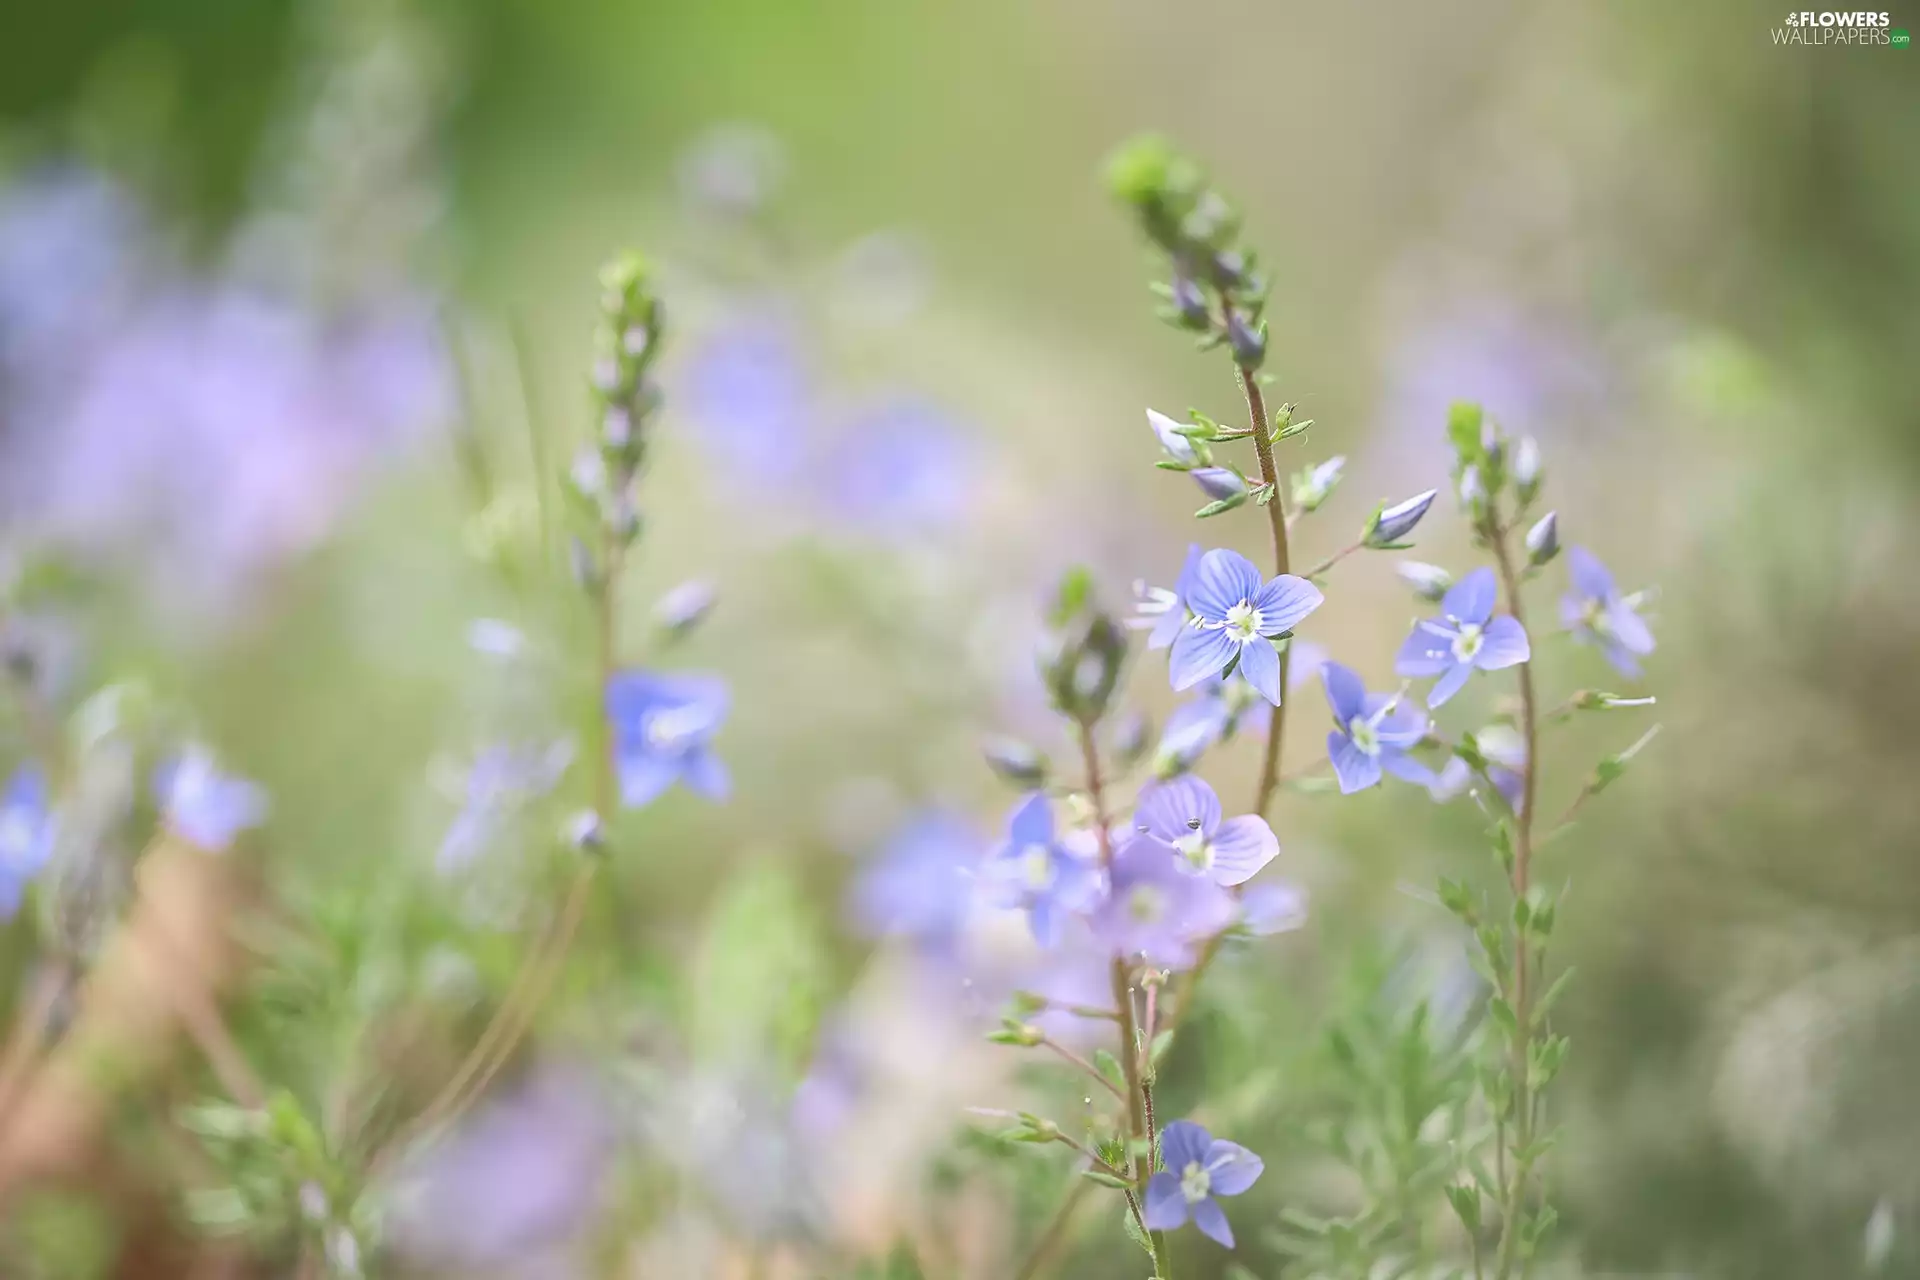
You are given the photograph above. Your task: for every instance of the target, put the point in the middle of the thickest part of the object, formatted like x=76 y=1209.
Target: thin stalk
x=1515 y=1194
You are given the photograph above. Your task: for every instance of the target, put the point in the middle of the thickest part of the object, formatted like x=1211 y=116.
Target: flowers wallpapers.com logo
x=1854 y=27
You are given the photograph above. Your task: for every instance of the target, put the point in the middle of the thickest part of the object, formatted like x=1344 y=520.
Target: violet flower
x=27 y=830
x=663 y=726
x=1155 y=909
x=1373 y=733
x=1464 y=638
x=1598 y=614
x=204 y=806
x=1237 y=616
x=1183 y=813
x=921 y=886
x=1036 y=871
x=1199 y=1169
x=1161 y=610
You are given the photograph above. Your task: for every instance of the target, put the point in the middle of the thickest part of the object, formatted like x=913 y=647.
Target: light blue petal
x=1449 y=684
x=1590 y=577
x=1222 y=580
x=1472 y=598
x=1355 y=769
x=1423 y=654
x=1346 y=692
x=1165 y=809
x=1503 y=645
x=1212 y=1221
x=1182 y=1143
x=1233 y=1168
x=1198 y=654
x=1285 y=603
x=707 y=775
x=1261 y=666
x=644 y=777
x=1242 y=846
x=1031 y=821
x=1166 y=1208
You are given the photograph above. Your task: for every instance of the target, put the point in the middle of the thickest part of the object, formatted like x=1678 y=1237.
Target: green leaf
x=1106 y=1179
x=1553 y=993
x=1161 y=1043
x=1465 y=1199
x=1110 y=1069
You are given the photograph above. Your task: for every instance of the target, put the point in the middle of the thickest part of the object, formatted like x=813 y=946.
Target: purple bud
x=1167 y=431
x=1428 y=581
x=1249 y=343
x=1190 y=303
x=1543 y=540
x=1397 y=521
x=1526 y=467
x=1473 y=494
x=1220 y=483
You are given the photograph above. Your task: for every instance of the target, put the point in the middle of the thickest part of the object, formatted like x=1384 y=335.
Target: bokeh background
x=295 y=302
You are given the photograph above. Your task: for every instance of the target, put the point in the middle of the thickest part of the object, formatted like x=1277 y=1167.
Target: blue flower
x=1236 y=615
x=1155 y=908
x=1164 y=610
x=1184 y=814
x=1272 y=906
x=921 y=886
x=1505 y=751
x=1598 y=614
x=27 y=830
x=1034 y=870
x=1466 y=636
x=1373 y=733
x=662 y=727
x=203 y=805
x=1198 y=1168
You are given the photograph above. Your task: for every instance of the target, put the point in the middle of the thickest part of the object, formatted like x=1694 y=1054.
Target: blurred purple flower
x=1598 y=614
x=748 y=391
x=922 y=884
x=27 y=830
x=829 y=1095
x=901 y=464
x=503 y=779
x=1467 y=636
x=1237 y=613
x=1506 y=755
x=1272 y=906
x=1162 y=611
x=1036 y=871
x=662 y=730
x=1199 y=1168
x=1373 y=732
x=1155 y=909
x=521 y=1176
x=203 y=805
x=1183 y=813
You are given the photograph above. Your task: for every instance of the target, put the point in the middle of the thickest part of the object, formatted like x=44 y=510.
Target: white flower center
x=1146 y=904
x=1196 y=849
x=675 y=729
x=1036 y=868
x=1467 y=643
x=1244 y=622
x=1365 y=735
x=1594 y=614
x=1196 y=1184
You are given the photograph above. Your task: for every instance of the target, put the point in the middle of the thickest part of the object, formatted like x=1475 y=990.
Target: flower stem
x=1514 y=1194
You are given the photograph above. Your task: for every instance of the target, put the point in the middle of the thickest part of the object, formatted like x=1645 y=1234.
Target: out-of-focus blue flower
x=829 y=1095
x=27 y=830
x=517 y=1179
x=1598 y=614
x=1506 y=755
x=503 y=779
x=1162 y=610
x=899 y=464
x=1183 y=813
x=1155 y=908
x=1036 y=871
x=204 y=806
x=748 y=390
x=1199 y=1168
x=1236 y=615
x=663 y=726
x=1222 y=708
x=1273 y=906
x=1373 y=732
x=922 y=884
x=1465 y=637
x=1167 y=432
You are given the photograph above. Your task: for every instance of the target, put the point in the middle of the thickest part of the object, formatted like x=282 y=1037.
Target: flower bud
x=1249 y=342
x=1080 y=660
x=584 y=831
x=1190 y=304
x=1016 y=762
x=1428 y=581
x=1472 y=492
x=1543 y=540
x=1220 y=483
x=1313 y=486
x=1167 y=431
x=1397 y=521
x=1526 y=468
x=684 y=607
x=1493 y=447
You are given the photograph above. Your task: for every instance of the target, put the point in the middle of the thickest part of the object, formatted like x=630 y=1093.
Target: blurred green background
x=1684 y=257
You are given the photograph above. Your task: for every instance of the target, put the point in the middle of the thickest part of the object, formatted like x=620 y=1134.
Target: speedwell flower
x=1374 y=732
x=1236 y=616
x=1199 y=1168
x=1464 y=637
x=1183 y=813
x=27 y=829
x=1162 y=609
x=1598 y=614
x=1036 y=871
x=663 y=726
x=1155 y=909
x=203 y=805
